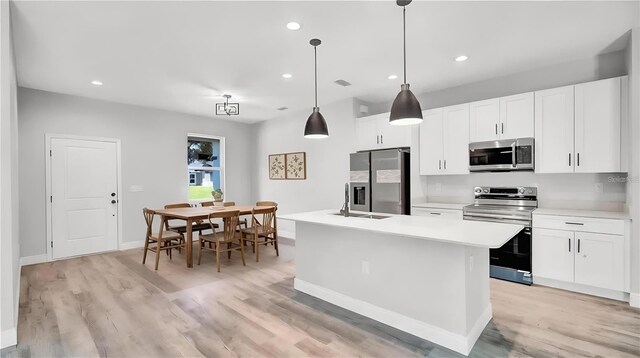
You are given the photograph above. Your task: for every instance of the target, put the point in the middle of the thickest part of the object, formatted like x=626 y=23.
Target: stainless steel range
x=507 y=205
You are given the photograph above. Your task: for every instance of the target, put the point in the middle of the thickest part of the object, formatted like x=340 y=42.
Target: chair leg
x=229 y=252
x=242 y=252
x=158 y=246
x=256 y=247
x=146 y=248
x=275 y=244
x=200 y=251
x=218 y=256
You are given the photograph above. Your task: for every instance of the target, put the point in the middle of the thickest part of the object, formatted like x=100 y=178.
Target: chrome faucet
x=345 y=207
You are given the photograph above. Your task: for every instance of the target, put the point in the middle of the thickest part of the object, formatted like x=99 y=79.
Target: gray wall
x=633 y=185
x=9 y=234
x=153 y=155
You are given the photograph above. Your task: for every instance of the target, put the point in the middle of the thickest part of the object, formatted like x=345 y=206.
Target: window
x=205 y=160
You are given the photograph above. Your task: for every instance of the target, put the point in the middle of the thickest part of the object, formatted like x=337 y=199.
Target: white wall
x=9 y=235
x=154 y=150
x=327 y=160
x=633 y=185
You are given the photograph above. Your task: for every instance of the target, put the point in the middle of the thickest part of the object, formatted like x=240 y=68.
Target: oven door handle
x=500 y=221
x=513 y=155
x=496 y=216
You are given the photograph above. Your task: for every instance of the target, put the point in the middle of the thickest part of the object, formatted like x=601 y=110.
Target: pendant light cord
x=315 y=61
x=404 y=41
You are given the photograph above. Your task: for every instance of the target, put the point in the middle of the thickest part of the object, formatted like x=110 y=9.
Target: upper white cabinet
x=375 y=132
x=502 y=118
x=444 y=141
x=597 y=126
x=554 y=130
x=578 y=128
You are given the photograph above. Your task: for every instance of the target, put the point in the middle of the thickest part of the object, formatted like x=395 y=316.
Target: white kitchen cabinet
x=552 y=254
x=598 y=260
x=444 y=141
x=375 y=132
x=597 y=126
x=578 y=128
x=502 y=118
x=516 y=116
x=431 y=142
x=483 y=120
x=584 y=254
x=437 y=212
x=554 y=130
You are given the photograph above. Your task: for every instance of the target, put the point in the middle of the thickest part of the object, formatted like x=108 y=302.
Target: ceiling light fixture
x=405 y=109
x=287 y=75
x=316 y=126
x=392 y=77
x=462 y=58
x=96 y=83
x=294 y=26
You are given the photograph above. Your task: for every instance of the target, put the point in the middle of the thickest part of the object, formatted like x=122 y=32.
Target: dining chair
x=170 y=239
x=243 y=221
x=229 y=237
x=265 y=229
x=181 y=228
x=267 y=203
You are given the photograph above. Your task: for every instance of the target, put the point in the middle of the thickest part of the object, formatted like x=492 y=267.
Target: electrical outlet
x=599 y=187
x=365 y=267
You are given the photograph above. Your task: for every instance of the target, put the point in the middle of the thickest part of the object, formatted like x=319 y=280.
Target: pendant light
x=316 y=126
x=405 y=109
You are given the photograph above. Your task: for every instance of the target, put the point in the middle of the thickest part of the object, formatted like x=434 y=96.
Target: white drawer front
x=442 y=213
x=579 y=224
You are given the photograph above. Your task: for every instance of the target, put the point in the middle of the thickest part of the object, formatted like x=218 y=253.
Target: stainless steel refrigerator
x=379 y=181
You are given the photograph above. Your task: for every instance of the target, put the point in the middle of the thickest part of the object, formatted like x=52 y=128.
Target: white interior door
x=84 y=194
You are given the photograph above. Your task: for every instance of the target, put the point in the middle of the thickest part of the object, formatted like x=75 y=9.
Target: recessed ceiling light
x=96 y=83
x=293 y=26
x=392 y=77
x=287 y=75
x=462 y=58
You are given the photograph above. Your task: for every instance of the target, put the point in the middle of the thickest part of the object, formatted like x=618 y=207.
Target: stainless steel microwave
x=501 y=155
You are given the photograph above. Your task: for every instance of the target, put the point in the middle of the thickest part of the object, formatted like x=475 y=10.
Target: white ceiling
x=183 y=56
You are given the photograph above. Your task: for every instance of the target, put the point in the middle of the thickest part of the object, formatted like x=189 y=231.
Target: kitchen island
x=422 y=275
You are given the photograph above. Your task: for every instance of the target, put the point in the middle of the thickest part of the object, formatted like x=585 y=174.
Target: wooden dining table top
x=202 y=212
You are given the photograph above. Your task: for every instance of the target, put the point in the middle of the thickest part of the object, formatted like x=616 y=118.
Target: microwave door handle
x=513 y=154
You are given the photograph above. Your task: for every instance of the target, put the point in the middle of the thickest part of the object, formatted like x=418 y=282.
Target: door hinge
x=50 y=152
x=51 y=199
x=51 y=243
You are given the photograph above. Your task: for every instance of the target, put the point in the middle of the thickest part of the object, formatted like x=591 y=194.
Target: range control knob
x=478 y=191
x=529 y=191
x=486 y=191
x=521 y=190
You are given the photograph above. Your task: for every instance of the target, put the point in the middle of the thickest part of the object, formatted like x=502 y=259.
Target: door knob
x=113 y=201
x=113 y=194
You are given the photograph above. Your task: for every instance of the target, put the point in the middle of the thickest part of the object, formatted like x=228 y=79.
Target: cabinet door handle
x=434 y=213
x=496 y=128
x=569 y=159
x=439 y=164
x=569 y=245
x=445 y=164
x=578 y=245
x=573 y=223
x=502 y=128
x=377 y=139
x=381 y=139
x=578 y=160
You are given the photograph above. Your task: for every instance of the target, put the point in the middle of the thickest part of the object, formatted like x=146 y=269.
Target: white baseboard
x=8 y=338
x=32 y=260
x=576 y=287
x=131 y=245
x=634 y=300
x=456 y=342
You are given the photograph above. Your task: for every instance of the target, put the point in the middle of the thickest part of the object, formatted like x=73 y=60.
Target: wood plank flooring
x=110 y=305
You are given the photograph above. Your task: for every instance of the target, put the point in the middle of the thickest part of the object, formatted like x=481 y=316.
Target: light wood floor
x=110 y=305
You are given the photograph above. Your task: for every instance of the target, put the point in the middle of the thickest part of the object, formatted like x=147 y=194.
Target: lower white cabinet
x=436 y=212
x=599 y=260
x=552 y=254
x=593 y=259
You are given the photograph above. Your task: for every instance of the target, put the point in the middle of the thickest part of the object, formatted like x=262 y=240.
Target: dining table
x=195 y=214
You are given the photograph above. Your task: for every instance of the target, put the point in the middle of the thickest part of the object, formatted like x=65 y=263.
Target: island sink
x=364 y=216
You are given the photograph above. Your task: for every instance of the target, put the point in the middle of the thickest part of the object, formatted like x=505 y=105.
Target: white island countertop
x=467 y=233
